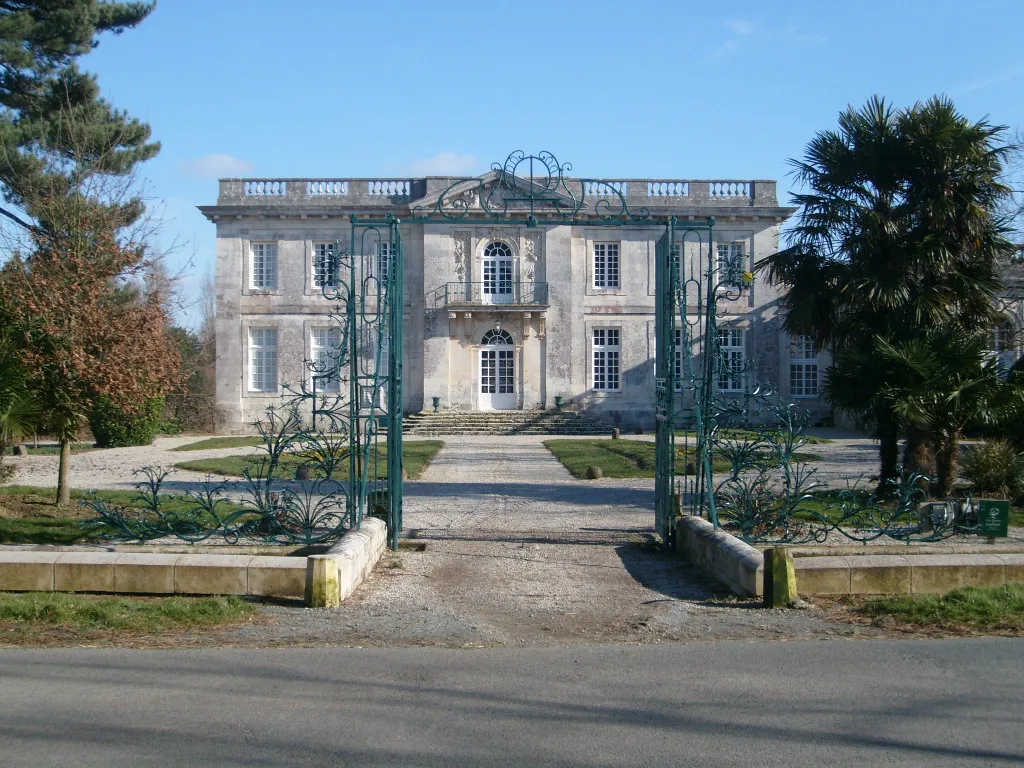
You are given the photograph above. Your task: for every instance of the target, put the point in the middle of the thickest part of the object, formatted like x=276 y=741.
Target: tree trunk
x=917 y=453
x=63 y=484
x=888 y=452
x=946 y=465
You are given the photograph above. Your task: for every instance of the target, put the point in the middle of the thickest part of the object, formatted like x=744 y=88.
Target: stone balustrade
x=651 y=193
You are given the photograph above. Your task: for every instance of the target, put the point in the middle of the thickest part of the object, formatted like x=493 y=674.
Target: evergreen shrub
x=113 y=428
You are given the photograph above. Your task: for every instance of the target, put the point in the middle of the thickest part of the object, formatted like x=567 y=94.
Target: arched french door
x=497 y=372
x=497 y=274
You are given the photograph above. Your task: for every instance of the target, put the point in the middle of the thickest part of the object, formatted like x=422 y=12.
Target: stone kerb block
x=880 y=574
x=822 y=575
x=1013 y=567
x=212 y=574
x=940 y=573
x=277 y=576
x=357 y=553
x=144 y=574
x=85 y=572
x=27 y=571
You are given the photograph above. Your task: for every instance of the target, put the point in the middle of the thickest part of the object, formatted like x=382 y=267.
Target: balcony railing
x=493 y=293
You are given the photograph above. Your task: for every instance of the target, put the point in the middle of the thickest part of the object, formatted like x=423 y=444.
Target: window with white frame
x=324 y=352
x=731 y=256
x=606 y=265
x=323 y=265
x=732 y=359
x=803 y=367
x=385 y=255
x=606 y=350
x=262 y=359
x=263 y=266
x=1003 y=343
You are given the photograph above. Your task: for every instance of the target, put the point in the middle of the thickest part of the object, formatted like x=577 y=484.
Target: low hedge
x=114 y=428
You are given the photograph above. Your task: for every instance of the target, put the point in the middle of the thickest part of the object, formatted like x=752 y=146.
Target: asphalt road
x=834 y=703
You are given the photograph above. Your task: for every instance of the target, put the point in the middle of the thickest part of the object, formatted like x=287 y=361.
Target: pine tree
x=49 y=106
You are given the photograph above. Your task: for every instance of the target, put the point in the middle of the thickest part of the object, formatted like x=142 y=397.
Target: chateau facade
x=498 y=316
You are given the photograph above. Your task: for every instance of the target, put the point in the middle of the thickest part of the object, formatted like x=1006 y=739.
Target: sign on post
x=993 y=518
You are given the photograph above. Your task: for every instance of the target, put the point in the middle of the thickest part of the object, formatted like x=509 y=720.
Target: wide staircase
x=552 y=422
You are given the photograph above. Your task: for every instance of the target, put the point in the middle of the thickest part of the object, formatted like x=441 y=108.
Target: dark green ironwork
x=341 y=424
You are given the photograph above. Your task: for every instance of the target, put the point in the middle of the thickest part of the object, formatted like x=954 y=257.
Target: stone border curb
x=721 y=556
x=351 y=560
x=332 y=577
x=740 y=567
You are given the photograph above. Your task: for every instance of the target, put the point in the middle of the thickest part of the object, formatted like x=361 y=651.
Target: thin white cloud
x=444 y=164
x=217 y=166
x=994 y=79
x=747 y=32
x=741 y=27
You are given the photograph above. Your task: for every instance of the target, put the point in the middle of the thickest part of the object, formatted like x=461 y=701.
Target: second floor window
x=385 y=256
x=803 y=367
x=323 y=265
x=606 y=358
x=732 y=359
x=263 y=259
x=606 y=265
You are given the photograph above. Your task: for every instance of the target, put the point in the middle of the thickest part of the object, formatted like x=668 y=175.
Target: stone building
x=506 y=316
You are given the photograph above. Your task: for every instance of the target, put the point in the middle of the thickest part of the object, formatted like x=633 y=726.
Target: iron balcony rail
x=495 y=292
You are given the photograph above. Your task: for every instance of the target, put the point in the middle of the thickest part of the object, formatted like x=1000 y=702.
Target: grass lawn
x=966 y=609
x=54 y=450
x=239 y=441
x=30 y=515
x=45 y=617
x=416 y=455
x=741 y=434
x=623 y=458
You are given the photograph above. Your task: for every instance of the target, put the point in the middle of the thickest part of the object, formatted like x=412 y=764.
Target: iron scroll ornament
x=529 y=187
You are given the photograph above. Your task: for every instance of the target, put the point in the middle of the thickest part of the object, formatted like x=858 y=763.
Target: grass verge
x=240 y=441
x=624 y=458
x=416 y=455
x=30 y=515
x=54 y=450
x=45 y=617
x=986 y=609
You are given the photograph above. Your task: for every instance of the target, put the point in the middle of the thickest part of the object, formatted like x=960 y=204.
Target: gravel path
x=503 y=547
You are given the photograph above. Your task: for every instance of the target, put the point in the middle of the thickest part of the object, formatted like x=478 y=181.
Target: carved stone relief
x=461 y=249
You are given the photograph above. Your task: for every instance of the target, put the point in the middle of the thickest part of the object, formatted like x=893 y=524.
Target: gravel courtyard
x=503 y=547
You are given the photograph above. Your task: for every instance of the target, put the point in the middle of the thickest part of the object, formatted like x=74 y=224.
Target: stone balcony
x=496 y=295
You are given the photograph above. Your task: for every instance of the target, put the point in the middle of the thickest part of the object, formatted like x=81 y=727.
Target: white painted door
x=497 y=288
x=497 y=378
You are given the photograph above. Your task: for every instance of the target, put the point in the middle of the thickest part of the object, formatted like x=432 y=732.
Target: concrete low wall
x=152 y=574
x=739 y=566
x=156 y=573
x=905 y=574
x=721 y=556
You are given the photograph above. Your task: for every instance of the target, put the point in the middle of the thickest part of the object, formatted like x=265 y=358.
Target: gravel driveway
x=503 y=547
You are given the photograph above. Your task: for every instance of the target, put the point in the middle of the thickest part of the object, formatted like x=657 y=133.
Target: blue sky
x=666 y=89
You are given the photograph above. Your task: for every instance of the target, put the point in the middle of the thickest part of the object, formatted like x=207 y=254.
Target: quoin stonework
x=503 y=316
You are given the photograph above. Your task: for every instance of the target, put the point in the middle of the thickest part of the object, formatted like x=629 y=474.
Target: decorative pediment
x=533 y=187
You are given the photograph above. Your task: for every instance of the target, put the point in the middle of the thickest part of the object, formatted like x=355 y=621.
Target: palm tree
x=897 y=233
x=942 y=383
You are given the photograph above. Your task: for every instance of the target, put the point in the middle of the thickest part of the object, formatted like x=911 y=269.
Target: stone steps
x=503 y=423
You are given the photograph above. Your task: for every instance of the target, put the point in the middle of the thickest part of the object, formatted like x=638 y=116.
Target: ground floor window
x=262 y=359
x=803 y=367
x=732 y=359
x=1003 y=343
x=606 y=358
x=324 y=353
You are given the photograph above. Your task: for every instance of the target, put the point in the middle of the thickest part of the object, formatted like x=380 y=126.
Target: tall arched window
x=497 y=273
